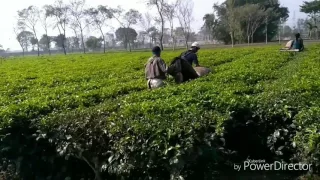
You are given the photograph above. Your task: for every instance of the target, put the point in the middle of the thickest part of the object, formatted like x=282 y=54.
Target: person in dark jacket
x=190 y=56
x=297 y=43
x=155 y=69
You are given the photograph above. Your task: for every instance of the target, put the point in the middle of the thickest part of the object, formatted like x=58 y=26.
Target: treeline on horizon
x=231 y=22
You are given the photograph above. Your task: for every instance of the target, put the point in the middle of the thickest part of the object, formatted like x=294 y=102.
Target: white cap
x=195 y=44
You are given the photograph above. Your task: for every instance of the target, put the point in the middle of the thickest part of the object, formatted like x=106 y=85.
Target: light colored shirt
x=155 y=68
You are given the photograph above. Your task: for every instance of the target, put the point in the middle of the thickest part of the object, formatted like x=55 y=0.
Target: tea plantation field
x=92 y=117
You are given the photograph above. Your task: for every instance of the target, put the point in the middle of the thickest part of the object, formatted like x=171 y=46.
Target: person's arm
x=162 y=65
x=195 y=60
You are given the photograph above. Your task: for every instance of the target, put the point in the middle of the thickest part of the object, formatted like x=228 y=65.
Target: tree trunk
x=161 y=38
x=35 y=35
x=187 y=44
x=129 y=46
x=38 y=49
x=82 y=41
x=48 y=43
x=104 y=39
x=173 y=44
x=162 y=24
x=279 y=38
x=267 y=34
x=94 y=169
x=104 y=44
x=63 y=42
x=248 y=40
x=232 y=41
x=63 y=46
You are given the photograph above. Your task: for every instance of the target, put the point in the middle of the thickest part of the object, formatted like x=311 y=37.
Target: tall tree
x=33 y=42
x=61 y=13
x=210 y=22
x=142 y=35
x=126 y=35
x=126 y=20
x=23 y=37
x=301 y=23
x=312 y=8
x=100 y=17
x=153 y=33
x=170 y=14
x=29 y=18
x=110 y=39
x=253 y=16
x=267 y=30
x=60 y=41
x=232 y=20
x=310 y=28
x=45 y=42
x=93 y=42
x=73 y=43
x=185 y=16
x=146 y=24
x=269 y=15
x=44 y=21
x=74 y=27
x=79 y=18
x=160 y=5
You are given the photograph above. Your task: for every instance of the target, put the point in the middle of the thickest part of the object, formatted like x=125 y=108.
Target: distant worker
x=297 y=43
x=155 y=69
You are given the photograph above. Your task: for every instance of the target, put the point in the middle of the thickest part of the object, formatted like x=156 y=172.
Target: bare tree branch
x=29 y=18
x=185 y=10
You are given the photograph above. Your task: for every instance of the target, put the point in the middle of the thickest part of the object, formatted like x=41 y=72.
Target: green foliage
x=126 y=35
x=311 y=7
x=93 y=114
x=93 y=42
x=223 y=17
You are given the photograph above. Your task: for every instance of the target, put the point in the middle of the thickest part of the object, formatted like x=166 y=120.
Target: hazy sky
x=8 y=13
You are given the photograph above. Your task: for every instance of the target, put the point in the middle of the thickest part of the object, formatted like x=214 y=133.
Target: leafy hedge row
x=92 y=114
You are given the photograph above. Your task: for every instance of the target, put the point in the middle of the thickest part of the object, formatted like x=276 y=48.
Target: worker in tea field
x=297 y=43
x=191 y=55
x=181 y=67
x=155 y=69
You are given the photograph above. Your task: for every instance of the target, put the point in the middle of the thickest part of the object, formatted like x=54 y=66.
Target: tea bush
x=91 y=116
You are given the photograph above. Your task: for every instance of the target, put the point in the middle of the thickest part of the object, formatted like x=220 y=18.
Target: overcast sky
x=9 y=8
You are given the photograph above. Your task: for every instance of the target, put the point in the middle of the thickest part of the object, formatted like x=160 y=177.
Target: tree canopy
x=126 y=35
x=311 y=7
x=93 y=42
x=221 y=21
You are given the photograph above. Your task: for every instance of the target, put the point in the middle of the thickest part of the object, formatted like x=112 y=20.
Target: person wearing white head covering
x=190 y=56
x=181 y=67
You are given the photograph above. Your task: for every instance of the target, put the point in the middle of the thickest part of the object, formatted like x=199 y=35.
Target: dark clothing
x=297 y=44
x=155 y=68
x=190 y=57
x=179 y=65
